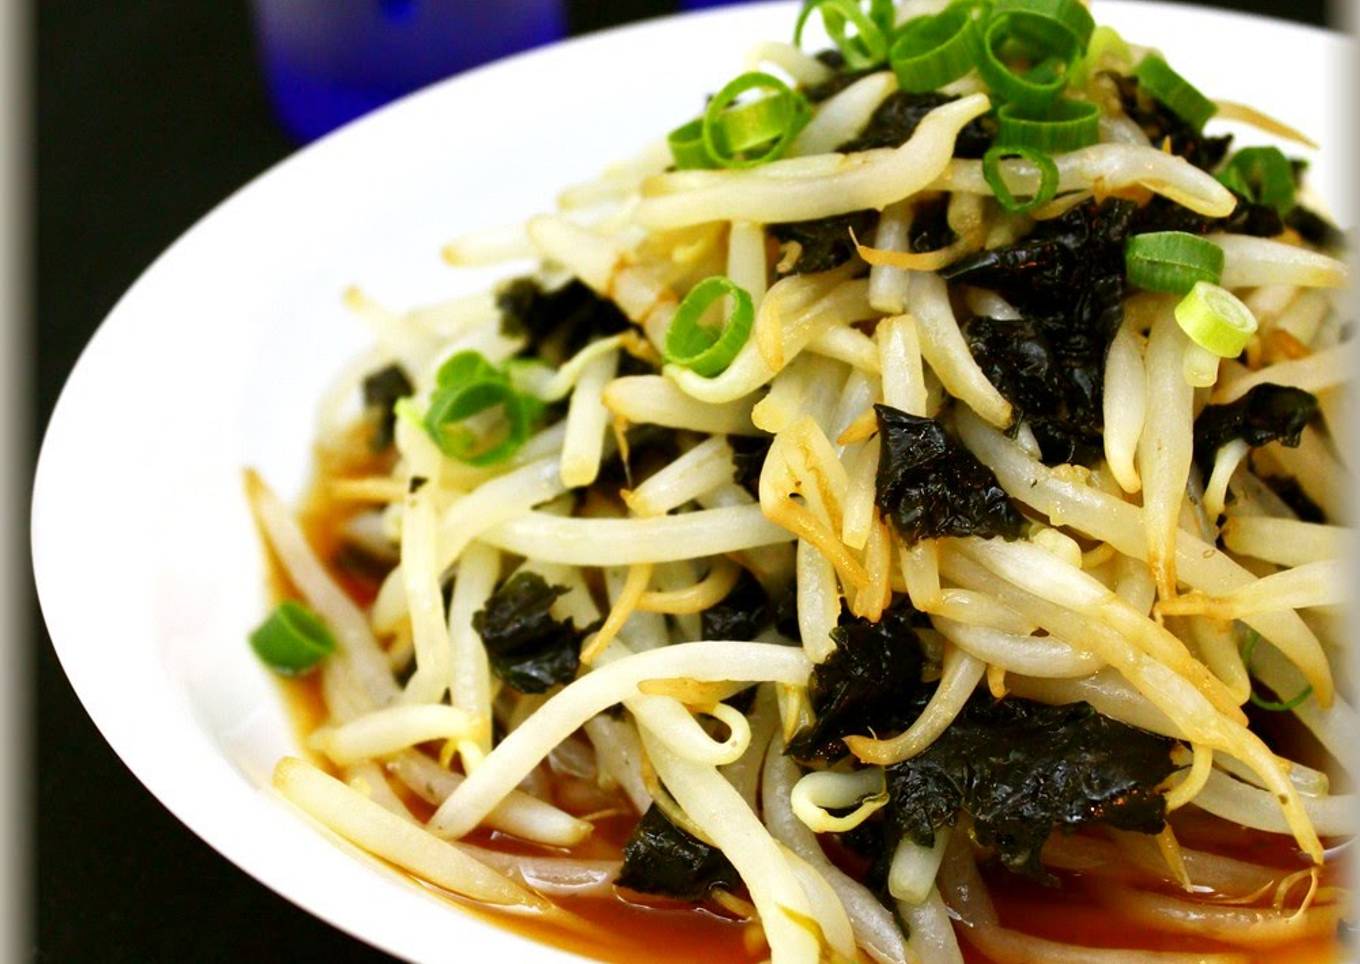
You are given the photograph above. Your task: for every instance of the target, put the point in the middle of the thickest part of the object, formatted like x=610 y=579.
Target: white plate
x=147 y=564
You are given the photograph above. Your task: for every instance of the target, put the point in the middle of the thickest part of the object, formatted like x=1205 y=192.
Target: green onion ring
x=687 y=146
x=1215 y=319
x=451 y=406
x=742 y=127
x=1178 y=94
x=1171 y=261
x=780 y=120
x=698 y=347
x=467 y=385
x=1038 y=21
x=1105 y=43
x=463 y=367
x=884 y=14
x=292 y=640
x=867 y=49
x=931 y=51
x=1048 y=177
x=1262 y=175
x=1033 y=91
x=1065 y=126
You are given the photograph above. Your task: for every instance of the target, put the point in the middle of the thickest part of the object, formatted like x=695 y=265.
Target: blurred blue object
x=328 y=61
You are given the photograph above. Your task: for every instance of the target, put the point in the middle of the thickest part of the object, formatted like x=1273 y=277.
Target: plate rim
x=58 y=417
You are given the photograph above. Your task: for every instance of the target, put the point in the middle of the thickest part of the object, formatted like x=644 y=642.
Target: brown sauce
x=1074 y=913
x=624 y=929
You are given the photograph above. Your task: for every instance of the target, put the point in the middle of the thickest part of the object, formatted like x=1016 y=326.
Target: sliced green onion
x=1215 y=319
x=1050 y=68
x=687 y=146
x=1248 y=647
x=1065 y=126
x=1034 y=90
x=932 y=51
x=292 y=640
x=465 y=367
x=1048 y=177
x=869 y=47
x=1106 y=49
x=743 y=127
x=1049 y=23
x=469 y=385
x=1158 y=79
x=1046 y=36
x=1171 y=261
x=450 y=408
x=749 y=134
x=741 y=135
x=884 y=14
x=702 y=348
x=1262 y=175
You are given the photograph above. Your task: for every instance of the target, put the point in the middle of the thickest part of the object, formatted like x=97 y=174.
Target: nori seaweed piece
x=748 y=458
x=1292 y=495
x=930 y=486
x=1163 y=214
x=1315 y=229
x=741 y=614
x=381 y=390
x=895 y=120
x=572 y=315
x=1267 y=413
x=930 y=228
x=525 y=645
x=660 y=858
x=1159 y=122
x=871 y=683
x=825 y=242
x=1022 y=769
x=1067 y=279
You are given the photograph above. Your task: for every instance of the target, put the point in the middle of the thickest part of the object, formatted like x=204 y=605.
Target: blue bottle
x=329 y=61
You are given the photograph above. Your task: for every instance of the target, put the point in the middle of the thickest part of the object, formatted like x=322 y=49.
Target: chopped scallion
x=731 y=134
x=869 y=47
x=931 y=51
x=687 y=146
x=292 y=640
x=705 y=349
x=1034 y=90
x=463 y=368
x=1050 y=23
x=744 y=127
x=1263 y=175
x=1028 y=49
x=745 y=135
x=1048 y=178
x=1106 y=49
x=1215 y=319
x=1157 y=78
x=1171 y=261
x=468 y=385
x=1065 y=125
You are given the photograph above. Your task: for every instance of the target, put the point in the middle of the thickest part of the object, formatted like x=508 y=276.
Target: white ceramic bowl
x=148 y=568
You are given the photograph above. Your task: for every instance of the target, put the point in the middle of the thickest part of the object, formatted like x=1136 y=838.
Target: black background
x=149 y=112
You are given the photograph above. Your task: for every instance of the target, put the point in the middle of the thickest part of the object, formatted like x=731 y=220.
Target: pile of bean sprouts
x=1123 y=592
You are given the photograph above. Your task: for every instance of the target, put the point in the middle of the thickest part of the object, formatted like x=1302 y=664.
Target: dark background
x=149 y=112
